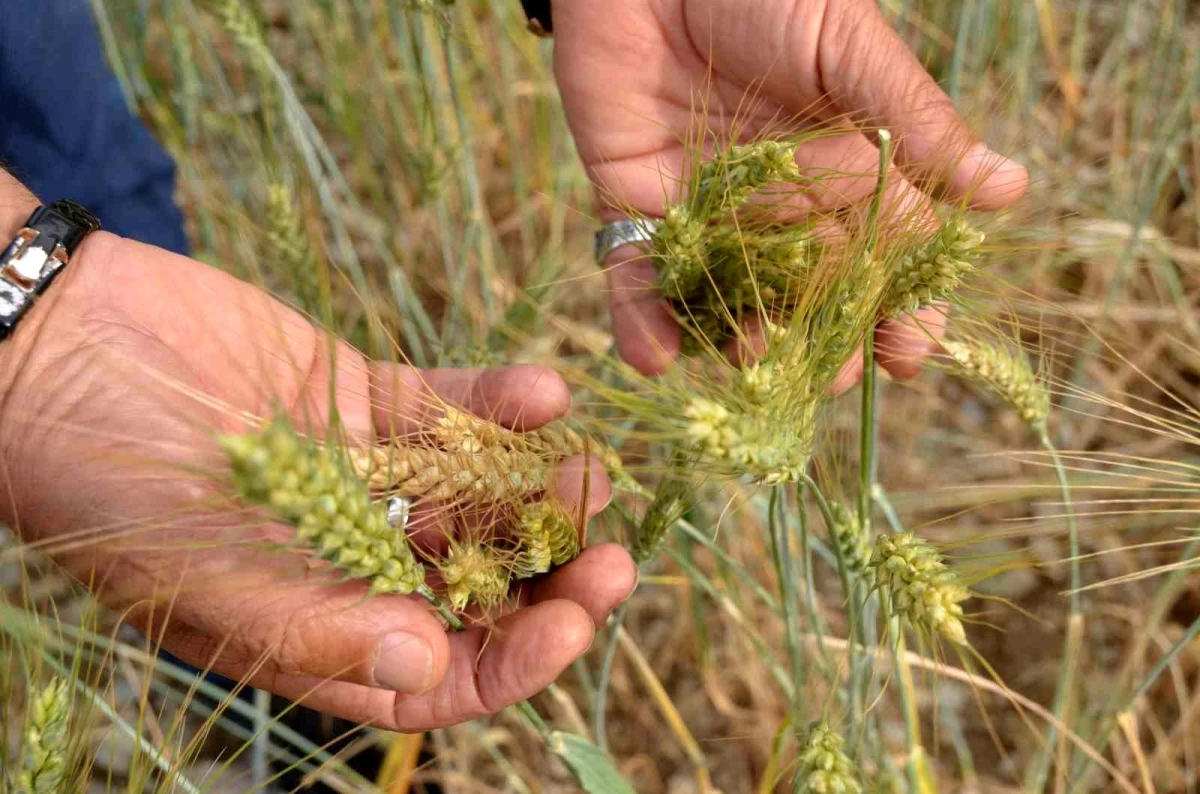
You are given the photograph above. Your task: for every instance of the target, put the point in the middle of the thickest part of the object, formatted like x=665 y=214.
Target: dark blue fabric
x=65 y=130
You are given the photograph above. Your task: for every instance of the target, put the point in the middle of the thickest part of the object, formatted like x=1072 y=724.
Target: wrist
x=34 y=366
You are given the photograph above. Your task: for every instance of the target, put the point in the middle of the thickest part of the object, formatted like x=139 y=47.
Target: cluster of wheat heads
x=726 y=262
x=784 y=602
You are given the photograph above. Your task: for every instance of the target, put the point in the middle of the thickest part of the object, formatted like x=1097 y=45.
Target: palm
x=634 y=83
x=131 y=375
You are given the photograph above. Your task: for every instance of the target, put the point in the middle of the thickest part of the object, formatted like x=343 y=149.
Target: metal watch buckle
x=36 y=254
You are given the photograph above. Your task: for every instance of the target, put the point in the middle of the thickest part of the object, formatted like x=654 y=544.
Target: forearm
x=16 y=204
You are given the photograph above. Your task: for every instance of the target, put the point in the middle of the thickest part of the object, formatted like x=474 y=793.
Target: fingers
x=901 y=345
x=849 y=375
x=574 y=481
x=646 y=334
x=598 y=580
x=870 y=73
x=490 y=669
x=405 y=399
x=329 y=632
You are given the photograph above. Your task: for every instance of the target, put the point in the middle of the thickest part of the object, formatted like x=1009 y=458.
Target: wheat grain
x=916 y=585
x=474 y=573
x=668 y=506
x=489 y=475
x=546 y=534
x=769 y=447
x=934 y=271
x=1008 y=375
x=44 y=751
x=241 y=24
x=310 y=487
x=290 y=246
x=850 y=537
x=823 y=766
x=727 y=181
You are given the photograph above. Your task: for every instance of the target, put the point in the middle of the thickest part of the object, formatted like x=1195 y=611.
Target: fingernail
x=637 y=576
x=404 y=663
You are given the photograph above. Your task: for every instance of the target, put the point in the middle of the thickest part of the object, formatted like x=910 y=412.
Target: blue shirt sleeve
x=65 y=130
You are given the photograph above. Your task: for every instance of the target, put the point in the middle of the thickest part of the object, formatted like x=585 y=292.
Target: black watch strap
x=538 y=14
x=39 y=252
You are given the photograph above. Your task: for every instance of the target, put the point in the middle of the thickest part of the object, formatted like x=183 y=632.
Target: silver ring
x=398 y=508
x=626 y=231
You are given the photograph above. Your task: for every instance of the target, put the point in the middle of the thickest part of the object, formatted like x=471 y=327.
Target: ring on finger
x=625 y=231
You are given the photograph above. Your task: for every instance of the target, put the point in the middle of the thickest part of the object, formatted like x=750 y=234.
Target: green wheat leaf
x=593 y=768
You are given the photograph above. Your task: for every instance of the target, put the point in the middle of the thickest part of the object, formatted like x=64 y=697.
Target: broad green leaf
x=592 y=767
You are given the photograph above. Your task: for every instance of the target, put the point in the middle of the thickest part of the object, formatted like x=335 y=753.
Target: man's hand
x=112 y=389
x=633 y=76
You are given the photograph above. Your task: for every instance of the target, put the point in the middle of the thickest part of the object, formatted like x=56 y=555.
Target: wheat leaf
x=593 y=768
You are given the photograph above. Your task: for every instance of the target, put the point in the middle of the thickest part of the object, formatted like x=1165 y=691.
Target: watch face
x=12 y=302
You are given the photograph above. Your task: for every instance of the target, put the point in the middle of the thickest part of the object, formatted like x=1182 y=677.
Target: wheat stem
x=1065 y=684
x=868 y=429
x=781 y=555
x=810 y=599
x=600 y=705
x=447 y=614
x=666 y=707
x=915 y=764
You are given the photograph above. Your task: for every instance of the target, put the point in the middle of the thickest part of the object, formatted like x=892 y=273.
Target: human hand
x=633 y=78
x=112 y=389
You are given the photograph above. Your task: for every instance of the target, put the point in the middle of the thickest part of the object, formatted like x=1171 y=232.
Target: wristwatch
x=37 y=254
x=538 y=14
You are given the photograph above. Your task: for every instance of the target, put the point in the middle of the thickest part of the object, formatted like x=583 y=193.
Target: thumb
x=869 y=74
